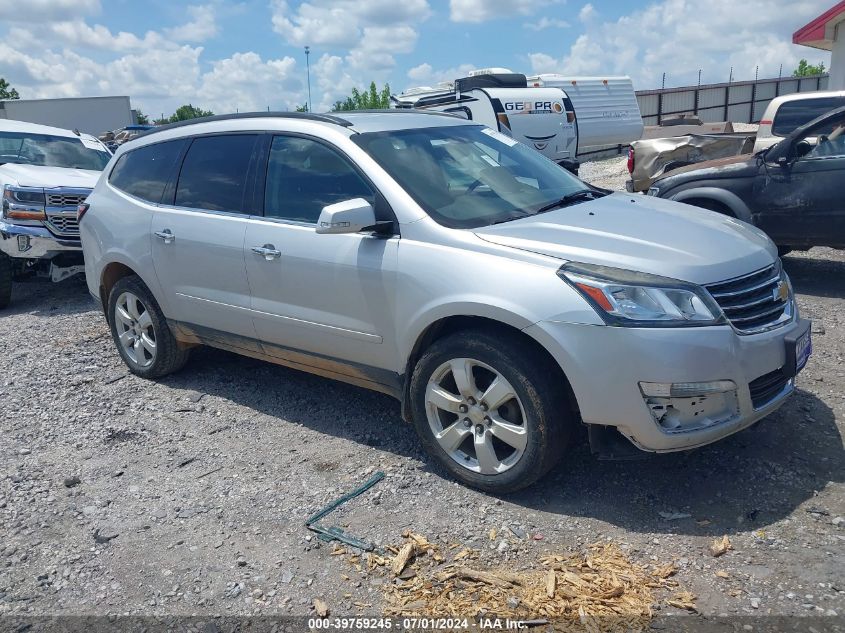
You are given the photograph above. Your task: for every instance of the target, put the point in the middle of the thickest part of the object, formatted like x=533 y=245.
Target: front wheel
x=489 y=410
x=5 y=280
x=140 y=331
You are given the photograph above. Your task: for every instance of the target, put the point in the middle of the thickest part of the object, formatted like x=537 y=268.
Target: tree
x=302 y=108
x=185 y=112
x=6 y=91
x=372 y=99
x=807 y=70
x=143 y=119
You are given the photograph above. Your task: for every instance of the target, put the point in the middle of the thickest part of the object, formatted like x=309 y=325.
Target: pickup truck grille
x=61 y=210
x=755 y=302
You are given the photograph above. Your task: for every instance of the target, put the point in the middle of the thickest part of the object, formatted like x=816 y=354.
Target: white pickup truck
x=45 y=173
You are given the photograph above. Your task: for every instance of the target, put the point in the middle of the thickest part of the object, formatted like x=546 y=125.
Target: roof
x=821 y=32
x=10 y=125
x=803 y=96
x=358 y=121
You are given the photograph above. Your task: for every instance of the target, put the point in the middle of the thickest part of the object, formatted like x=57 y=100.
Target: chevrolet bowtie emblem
x=781 y=292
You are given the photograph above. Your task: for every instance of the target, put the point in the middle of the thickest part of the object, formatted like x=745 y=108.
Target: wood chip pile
x=597 y=590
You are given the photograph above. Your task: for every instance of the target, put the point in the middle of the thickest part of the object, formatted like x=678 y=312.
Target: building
x=93 y=115
x=827 y=32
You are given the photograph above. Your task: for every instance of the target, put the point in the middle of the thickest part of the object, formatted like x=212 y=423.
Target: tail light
x=630 y=160
x=81 y=210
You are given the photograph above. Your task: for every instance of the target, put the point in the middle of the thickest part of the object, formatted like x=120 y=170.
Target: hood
x=726 y=166
x=48 y=177
x=642 y=233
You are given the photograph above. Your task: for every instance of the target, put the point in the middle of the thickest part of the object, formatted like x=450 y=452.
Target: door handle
x=268 y=252
x=166 y=235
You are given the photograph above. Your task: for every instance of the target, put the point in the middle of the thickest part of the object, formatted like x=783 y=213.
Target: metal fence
x=739 y=101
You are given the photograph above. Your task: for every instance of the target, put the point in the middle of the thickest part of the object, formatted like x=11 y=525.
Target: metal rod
x=308 y=66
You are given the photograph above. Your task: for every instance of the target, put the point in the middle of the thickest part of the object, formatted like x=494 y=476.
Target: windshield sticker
x=507 y=140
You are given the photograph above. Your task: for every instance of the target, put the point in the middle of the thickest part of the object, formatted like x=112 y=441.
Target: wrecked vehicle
x=649 y=159
x=793 y=190
x=499 y=298
x=45 y=173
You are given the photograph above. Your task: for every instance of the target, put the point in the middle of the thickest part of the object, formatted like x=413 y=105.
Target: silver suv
x=499 y=298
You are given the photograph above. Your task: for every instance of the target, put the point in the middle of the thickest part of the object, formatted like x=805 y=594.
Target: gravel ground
x=188 y=495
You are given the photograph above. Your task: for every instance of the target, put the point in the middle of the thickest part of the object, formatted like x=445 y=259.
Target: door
x=802 y=202
x=198 y=237
x=329 y=295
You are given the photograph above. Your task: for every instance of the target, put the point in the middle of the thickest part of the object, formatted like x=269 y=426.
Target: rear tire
x=490 y=410
x=140 y=331
x=5 y=280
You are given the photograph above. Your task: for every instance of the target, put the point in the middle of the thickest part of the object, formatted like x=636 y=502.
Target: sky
x=228 y=55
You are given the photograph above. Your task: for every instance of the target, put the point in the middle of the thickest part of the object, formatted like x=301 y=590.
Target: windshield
x=50 y=151
x=469 y=176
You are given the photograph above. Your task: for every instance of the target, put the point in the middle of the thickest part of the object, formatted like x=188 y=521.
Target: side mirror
x=349 y=216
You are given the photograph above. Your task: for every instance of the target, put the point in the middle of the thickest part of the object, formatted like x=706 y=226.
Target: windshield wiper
x=570 y=198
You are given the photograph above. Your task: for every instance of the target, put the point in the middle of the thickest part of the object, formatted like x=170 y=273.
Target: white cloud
x=663 y=37
x=78 y=33
x=483 y=10
x=546 y=23
x=359 y=39
x=425 y=75
x=202 y=26
x=46 y=10
x=341 y=23
x=587 y=13
x=246 y=83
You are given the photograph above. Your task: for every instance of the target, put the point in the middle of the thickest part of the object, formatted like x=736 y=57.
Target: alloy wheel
x=135 y=329
x=476 y=416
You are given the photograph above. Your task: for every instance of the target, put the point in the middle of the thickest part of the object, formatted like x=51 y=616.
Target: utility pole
x=308 y=67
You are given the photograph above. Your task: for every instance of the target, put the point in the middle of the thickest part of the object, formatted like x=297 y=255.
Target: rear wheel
x=5 y=280
x=489 y=411
x=140 y=331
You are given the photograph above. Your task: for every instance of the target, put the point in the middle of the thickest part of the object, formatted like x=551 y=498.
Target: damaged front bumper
x=674 y=389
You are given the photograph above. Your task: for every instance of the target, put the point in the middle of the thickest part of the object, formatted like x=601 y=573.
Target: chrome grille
x=64 y=224
x=63 y=200
x=755 y=302
x=61 y=210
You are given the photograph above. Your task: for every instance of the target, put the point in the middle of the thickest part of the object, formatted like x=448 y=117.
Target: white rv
x=560 y=117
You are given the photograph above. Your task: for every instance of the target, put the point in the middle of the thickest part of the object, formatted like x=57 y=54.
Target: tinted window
x=303 y=176
x=144 y=172
x=793 y=114
x=214 y=173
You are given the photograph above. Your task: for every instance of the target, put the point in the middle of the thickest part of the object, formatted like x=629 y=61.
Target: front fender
x=723 y=196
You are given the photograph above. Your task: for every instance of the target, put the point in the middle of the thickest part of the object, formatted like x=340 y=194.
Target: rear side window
x=214 y=173
x=144 y=172
x=793 y=114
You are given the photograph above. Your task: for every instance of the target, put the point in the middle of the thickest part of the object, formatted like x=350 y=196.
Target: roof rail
x=307 y=116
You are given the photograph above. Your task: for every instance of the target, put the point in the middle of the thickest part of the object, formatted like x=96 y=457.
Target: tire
x=5 y=280
x=537 y=418
x=141 y=321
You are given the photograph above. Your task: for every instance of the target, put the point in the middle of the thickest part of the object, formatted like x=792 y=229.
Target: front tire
x=5 y=280
x=490 y=410
x=140 y=331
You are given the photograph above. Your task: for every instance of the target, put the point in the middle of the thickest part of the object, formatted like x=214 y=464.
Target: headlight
x=628 y=298
x=24 y=203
